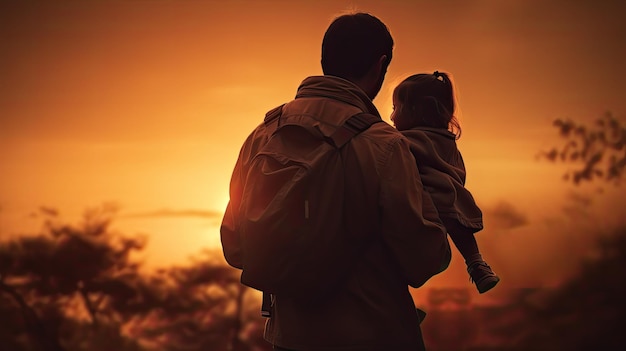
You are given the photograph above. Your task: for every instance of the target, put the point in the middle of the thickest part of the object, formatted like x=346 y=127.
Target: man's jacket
x=373 y=309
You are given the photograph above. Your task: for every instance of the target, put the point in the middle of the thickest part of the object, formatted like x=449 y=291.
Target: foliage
x=585 y=313
x=597 y=151
x=79 y=288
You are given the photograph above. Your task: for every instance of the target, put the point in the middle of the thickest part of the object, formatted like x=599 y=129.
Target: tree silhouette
x=68 y=276
x=79 y=288
x=197 y=308
x=585 y=312
x=597 y=151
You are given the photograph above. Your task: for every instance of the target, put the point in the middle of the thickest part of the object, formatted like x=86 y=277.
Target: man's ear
x=375 y=76
x=373 y=79
x=382 y=65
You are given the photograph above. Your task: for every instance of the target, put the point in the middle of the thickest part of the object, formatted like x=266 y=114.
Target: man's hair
x=353 y=43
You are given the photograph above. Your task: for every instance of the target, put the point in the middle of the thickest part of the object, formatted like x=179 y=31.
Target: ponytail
x=444 y=77
x=453 y=125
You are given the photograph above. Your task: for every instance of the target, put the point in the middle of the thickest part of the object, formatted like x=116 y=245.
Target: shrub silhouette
x=585 y=312
x=77 y=287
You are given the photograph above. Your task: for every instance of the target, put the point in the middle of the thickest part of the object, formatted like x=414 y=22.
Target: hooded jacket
x=442 y=170
x=373 y=309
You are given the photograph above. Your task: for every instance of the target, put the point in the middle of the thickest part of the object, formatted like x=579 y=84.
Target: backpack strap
x=273 y=114
x=353 y=126
x=270 y=117
x=350 y=128
x=266 y=305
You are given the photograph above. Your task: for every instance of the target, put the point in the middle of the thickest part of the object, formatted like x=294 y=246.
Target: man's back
x=372 y=309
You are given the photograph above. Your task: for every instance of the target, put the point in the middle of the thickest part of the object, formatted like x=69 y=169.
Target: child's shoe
x=482 y=275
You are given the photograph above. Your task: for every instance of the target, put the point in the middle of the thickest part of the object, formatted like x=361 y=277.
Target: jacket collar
x=438 y=131
x=336 y=88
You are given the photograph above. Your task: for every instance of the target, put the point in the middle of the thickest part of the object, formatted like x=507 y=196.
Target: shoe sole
x=487 y=284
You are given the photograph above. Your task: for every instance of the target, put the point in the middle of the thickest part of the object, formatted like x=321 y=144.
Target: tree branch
x=90 y=307
x=34 y=325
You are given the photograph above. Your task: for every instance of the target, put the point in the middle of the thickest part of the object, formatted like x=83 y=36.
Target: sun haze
x=146 y=103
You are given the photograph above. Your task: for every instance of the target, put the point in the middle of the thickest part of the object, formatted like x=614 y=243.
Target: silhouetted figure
x=371 y=309
x=424 y=112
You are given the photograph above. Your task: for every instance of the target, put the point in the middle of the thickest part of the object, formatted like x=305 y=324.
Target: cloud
x=169 y=213
x=578 y=206
x=506 y=216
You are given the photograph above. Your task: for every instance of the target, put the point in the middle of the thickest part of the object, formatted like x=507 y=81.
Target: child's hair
x=428 y=101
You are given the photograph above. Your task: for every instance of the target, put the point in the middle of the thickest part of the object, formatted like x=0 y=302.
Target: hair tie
x=440 y=76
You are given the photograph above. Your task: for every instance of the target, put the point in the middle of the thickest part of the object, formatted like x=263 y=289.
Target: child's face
x=400 y=117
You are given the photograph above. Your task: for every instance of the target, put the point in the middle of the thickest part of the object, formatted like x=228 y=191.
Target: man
x=372 y=309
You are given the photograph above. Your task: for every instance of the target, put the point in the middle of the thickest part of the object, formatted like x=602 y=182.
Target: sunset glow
x=146 y=103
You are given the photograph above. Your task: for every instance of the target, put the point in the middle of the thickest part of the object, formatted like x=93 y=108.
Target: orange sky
x=146 y=103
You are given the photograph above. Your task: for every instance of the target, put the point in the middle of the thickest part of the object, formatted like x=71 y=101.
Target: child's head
x=425 y=100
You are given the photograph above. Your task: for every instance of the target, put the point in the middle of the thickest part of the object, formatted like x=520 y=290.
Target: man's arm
x=229 y=233
x=410 y=222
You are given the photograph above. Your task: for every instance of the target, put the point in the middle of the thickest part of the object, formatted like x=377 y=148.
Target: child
x=424 y=113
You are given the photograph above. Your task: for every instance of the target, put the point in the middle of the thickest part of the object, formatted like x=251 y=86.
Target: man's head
x=358 y=47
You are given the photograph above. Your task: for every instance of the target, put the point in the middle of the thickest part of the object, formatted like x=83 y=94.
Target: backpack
x=298 y=217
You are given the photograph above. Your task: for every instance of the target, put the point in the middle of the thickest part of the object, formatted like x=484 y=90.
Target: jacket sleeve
x=229 y=233
x=229 y=230
x=410 y=222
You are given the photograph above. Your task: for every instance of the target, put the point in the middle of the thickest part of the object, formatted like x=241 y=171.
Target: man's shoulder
x=255 y=140
x=383 y=132
x=383 y=141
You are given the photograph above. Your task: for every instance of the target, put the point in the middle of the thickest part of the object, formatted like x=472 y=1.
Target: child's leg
x=466 y=243
x=479 y=271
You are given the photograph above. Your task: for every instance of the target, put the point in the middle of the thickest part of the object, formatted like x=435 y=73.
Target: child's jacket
x=442 y=170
